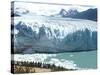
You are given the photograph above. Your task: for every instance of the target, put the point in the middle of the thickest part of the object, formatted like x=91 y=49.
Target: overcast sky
x=81 y=2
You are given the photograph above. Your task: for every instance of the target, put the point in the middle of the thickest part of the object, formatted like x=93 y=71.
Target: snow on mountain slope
x=51 y=34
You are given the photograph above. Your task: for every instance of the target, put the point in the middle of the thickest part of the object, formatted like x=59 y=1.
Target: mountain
x=69 y=13
x=53 y=35
x=18 y=12
x=90 y=14
x=63 y=12
x=13 y=13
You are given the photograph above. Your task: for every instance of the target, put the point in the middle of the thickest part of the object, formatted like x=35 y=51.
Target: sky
x=80 y=2
x=47 y=9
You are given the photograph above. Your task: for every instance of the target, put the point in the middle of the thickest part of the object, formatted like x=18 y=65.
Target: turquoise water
x=72 y=60
x=81 y=59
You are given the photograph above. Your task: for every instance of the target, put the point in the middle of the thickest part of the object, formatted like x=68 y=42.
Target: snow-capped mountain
x=63 y=12
x=50 y=34
x=68 y=13
x=18 y=11
x=89 y=14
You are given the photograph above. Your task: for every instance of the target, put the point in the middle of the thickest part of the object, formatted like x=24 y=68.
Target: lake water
x=75 y=60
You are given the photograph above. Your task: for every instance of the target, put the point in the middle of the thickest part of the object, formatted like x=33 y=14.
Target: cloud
x=79 y=2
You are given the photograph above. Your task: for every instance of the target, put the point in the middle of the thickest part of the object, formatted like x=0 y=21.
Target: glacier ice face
x=51 y=34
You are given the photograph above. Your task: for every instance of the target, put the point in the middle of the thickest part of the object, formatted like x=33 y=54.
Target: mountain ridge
x=90 y=14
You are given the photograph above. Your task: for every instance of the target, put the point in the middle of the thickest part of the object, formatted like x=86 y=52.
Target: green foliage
x=18 y=68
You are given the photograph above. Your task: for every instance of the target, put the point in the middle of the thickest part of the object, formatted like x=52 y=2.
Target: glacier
x=47 y=34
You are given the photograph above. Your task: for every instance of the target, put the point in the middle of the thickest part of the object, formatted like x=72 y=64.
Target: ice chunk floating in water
x=77 y=60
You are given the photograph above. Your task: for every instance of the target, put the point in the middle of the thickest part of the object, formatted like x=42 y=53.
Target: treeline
x=33 y=64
